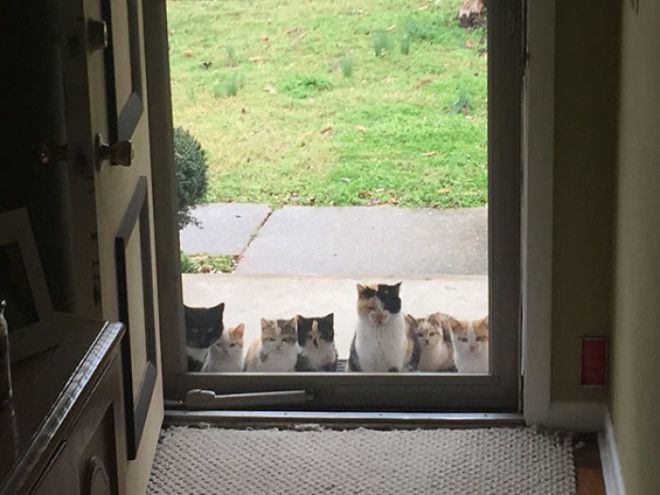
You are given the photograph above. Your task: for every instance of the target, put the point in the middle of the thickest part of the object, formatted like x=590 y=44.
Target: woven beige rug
x=517 y=461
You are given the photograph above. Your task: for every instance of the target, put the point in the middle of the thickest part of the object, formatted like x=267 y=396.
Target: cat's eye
x=481 y=338
x=463 y=339
x=420 y=334
x=432 y=334
x=232 y=345
x=270 y=339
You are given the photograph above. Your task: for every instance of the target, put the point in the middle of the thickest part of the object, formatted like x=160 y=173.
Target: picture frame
x=123 y=116
x=33 y=324
x=136 y=219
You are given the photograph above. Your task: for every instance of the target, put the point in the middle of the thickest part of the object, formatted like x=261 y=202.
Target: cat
x=470 y=342
x=226 y=355
x=381 y=342
x=276 y=349
x=203 y=328
x=434 y=343
x=316 y=344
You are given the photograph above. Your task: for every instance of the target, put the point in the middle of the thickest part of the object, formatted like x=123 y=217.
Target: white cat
x=381 y=342
x=433 y=343
x=276 y=349
x=226 y=355
x=470 y=341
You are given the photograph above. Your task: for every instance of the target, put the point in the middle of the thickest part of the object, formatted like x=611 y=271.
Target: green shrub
x=231 y=85
x=191 y=174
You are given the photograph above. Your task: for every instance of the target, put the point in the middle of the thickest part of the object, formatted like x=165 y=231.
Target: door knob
x=119 y=153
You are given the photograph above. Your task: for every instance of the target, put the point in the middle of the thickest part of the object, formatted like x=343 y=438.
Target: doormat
x=360 y=461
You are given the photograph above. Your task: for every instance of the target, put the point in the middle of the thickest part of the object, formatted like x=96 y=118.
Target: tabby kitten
x=226 y=355
x=381 y=342
x=434 y=343
x=316 y=344
x=203 y=328
x=276 y=349
x=470 y=341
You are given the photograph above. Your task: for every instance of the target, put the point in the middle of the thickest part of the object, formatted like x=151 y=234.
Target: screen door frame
x=500 y=390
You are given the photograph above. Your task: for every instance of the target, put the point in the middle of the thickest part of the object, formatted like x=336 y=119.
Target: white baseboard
x=576 y=416
x=609 y=459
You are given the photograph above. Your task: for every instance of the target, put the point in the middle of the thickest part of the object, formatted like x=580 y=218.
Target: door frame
x=175 y=376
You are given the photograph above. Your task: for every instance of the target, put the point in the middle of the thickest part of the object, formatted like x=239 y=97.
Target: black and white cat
x=381 y=342
x=316 y=344
x=204 y=327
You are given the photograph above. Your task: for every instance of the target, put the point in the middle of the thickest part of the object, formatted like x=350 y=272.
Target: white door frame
x=537 y=233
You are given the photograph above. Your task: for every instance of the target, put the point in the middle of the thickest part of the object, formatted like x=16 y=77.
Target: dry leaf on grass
x=430 y=153
x=326 y=131
x=269 y=89
x=187 y=53
x=360 y=128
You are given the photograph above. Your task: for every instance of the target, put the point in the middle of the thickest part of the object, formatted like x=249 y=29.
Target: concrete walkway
x=378 y=241
x=248 y=298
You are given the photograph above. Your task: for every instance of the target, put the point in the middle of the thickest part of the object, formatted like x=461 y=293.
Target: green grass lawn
x=294 y=106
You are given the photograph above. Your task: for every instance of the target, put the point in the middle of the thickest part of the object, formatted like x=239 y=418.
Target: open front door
x=107 y=125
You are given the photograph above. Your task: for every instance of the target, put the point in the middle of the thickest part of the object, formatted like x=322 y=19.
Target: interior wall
x=636 y=340
x=586 y=64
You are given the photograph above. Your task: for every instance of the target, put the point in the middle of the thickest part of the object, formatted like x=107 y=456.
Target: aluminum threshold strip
x=342 y=419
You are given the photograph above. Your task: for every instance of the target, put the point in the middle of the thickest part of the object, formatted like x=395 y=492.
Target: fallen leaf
x=206 y=64
x=444 y=190
x=430 y=153
x=302 y=35
x=326 y=131
x=360 y=128
x=243 y=111
x=469 y=43
x=257 y=59
x=391 y=28
x=269 y=89
x=264 y=38
x=346 y=180
x=187 y=53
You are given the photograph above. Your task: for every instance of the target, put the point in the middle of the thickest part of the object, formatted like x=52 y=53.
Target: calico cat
x=316 y=344
x=434 y=342
x=203 y=328
x=276 y=348
x=226 y=355
x=470 y=342
x=381 y=342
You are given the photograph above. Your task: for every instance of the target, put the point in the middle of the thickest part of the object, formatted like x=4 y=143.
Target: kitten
x=316 y=344
x=203 y=328
x=470 y=341
x=276 y=349
x=226 y=355
x=434 y=341
x=381 y=342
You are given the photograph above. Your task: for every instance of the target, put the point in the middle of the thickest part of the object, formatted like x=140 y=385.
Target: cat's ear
x=397 y=287
x=451 y=324
x=483 y=323
x=438 y=318
x=361 y=289
x=293 y=322
x=265 y=323
x=238 y=330
x=410 y=319
x=330 y=318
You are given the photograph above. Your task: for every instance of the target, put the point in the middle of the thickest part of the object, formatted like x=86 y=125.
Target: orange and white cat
x=276 y=349
x=470 y=343
x=226 y=355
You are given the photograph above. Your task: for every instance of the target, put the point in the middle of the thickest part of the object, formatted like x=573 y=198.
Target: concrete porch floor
x=248 y=298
